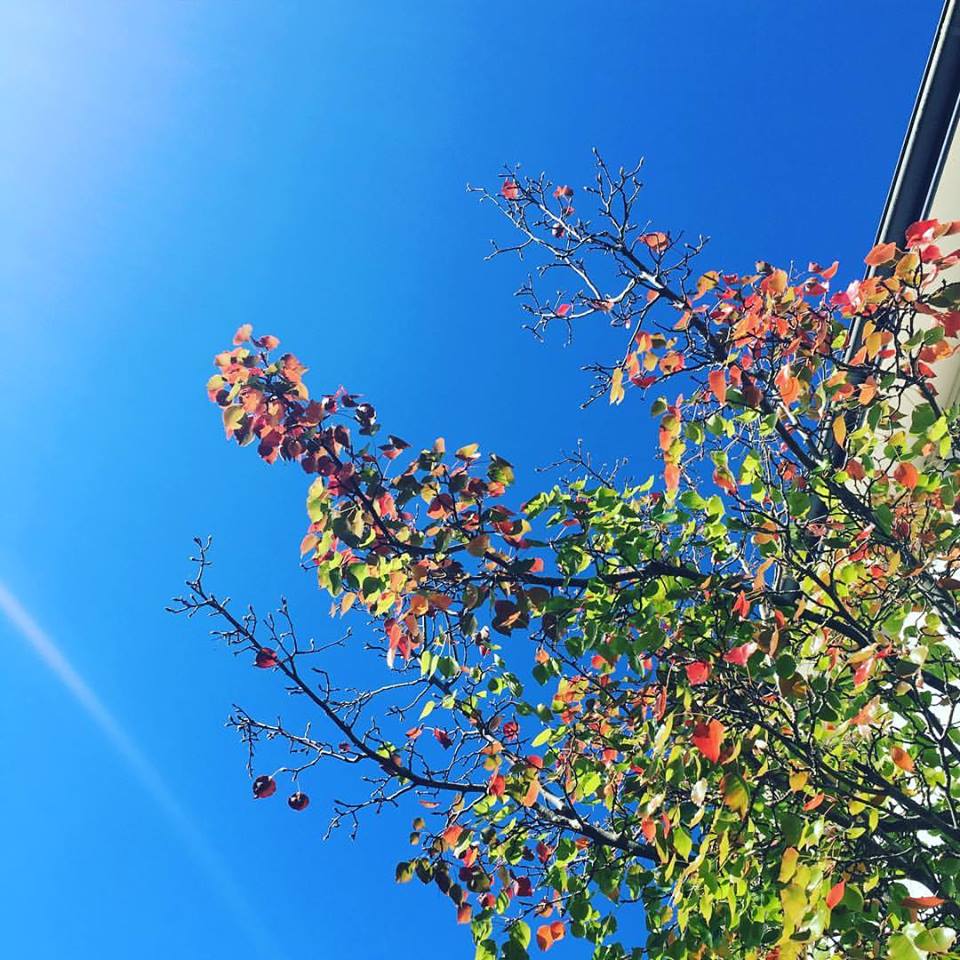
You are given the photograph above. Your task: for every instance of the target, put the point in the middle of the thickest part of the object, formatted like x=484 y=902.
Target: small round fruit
x=266 y=658
x=264 y=787
x=298 y=801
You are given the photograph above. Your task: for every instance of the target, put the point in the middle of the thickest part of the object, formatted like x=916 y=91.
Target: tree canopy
x=723 y=696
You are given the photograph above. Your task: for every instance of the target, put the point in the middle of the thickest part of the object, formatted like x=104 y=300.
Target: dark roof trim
x=928 y=136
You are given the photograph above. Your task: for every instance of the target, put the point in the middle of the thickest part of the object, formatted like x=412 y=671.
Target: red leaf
x=562 y=192
x=741 y=606
x=836 y=894
x=510 y=190
x=740 y=655
x=923 y=231
x=563 y=309
x=707 y=738
x=266 y=658
x=697 y=672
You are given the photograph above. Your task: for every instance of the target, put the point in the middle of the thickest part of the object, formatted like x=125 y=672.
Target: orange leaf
x=718 y=384
x=243 y=333
x=544 y=937
x=671 y=477
x=813 y=803
x=922 y=903
x=452 y=834
x=464 y=913
x=657 y=241
x=788 y=385
x=906 y=474
x=836 y=894
x=707 y=738
x=880 y=254
x=902 y=759
x=533 y=791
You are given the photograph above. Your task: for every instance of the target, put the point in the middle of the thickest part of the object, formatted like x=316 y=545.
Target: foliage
x=724 y=696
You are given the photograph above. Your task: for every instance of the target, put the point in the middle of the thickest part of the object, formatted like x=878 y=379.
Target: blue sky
x=169 y=171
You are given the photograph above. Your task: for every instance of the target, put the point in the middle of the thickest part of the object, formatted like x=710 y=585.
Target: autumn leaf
x=906 y=475
x=740 y=655
x=243 y=334
x=549 y=933
x=741 y=606
x=902 y=759
x=510 y=189
x=452 y=834
x=718 y=385
x=657 y=241
x=835 y=895
x=922 y=903
x=788 y=385
x=616 y=386
x=671 y=477
x=707 y=738
x=798 y=780
x=532 y=792
x=840 y=430
x=880 y=254
x=697 y=672
x=788 y=864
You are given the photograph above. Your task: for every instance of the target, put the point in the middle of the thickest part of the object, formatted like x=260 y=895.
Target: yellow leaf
x=616 y=386
x=788 y=865
x=907 y=267
x=840 y=430
x=794 y=900
x=470 y=452
x=798 y=780
x=232 y=416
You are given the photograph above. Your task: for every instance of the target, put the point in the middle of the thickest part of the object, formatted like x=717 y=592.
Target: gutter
x=929 y=132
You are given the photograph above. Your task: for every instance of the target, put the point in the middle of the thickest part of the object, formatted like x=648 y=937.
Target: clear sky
x=170 y=170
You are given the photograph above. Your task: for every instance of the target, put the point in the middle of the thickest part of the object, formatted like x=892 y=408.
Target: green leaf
x=520 y=933
x=901 y=947
x=936 y=939
x=486 y=950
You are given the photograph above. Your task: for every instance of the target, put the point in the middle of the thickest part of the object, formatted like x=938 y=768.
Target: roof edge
x=929 y=132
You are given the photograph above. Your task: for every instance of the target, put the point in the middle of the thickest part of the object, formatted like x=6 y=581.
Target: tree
x=725 y=696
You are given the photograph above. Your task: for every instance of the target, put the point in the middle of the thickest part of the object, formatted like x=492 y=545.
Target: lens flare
x=203 y=854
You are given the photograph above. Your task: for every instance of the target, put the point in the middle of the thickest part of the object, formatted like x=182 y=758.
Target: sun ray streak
x=150 y=779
